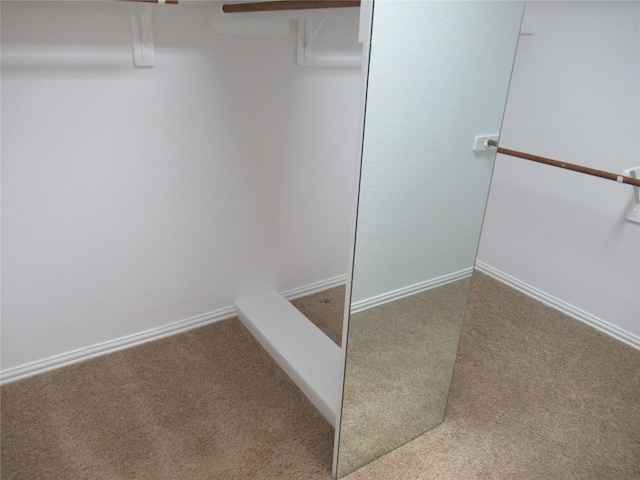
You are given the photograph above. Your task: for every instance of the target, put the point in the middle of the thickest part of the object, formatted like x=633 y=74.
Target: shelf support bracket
x=306 y=37
x=142 y=26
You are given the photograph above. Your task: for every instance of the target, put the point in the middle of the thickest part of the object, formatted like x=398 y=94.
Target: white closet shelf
x=274 y=18
x=255 y=18
x=303 y=351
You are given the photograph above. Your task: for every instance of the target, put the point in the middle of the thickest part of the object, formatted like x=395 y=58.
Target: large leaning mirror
x=439 y=73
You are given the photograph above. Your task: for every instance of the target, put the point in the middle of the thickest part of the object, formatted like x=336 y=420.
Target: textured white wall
x=133 y=198
x=438 y=77
x=575 y=96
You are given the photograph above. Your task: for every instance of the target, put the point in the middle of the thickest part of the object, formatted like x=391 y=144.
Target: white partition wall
x=575 y=96
x=140 y=201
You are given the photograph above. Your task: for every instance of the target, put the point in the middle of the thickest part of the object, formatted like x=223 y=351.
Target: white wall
x=575 y=96
x=438 y=76
x=133 y=198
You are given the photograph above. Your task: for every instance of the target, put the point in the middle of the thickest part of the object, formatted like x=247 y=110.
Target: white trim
x=111 y=346
x=378 y=300
x=314 y=287
x=560 y=305
x=75 y=356
x=302 y=350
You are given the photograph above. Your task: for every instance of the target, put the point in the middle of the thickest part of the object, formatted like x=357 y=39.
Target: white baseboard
x=68 y=358
x=314 y=287
x=560 y=305
x=378 y=300
x=111 y=346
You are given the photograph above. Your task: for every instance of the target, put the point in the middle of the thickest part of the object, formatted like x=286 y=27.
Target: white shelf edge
x=310 y=358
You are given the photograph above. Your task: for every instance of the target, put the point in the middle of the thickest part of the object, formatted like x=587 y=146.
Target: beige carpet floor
x=326 y=310
x=535 y=395
x=207 y=404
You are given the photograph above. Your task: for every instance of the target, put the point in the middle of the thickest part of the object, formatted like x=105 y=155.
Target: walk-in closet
x=320 y=239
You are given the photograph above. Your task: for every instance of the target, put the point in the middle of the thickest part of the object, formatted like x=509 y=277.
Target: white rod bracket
x=633 y=215
x=634 y=173
x=481 y=143
x=142 y=26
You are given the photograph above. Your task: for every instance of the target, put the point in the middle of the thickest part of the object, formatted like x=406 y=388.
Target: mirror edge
x=364 y=36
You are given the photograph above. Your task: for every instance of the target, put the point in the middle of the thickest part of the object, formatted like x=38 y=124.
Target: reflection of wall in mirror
x=423 y=189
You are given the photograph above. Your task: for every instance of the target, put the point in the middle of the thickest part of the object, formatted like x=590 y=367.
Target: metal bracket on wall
x=142 y=26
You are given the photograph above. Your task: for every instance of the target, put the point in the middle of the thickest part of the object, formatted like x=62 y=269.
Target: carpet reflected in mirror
x=401 y=356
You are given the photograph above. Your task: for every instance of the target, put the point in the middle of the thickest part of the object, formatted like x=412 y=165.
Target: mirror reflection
x=438 y=77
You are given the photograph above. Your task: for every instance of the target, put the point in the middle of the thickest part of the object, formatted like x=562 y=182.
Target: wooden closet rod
x=287 y=5
x=569 y=166
x=170 y=2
